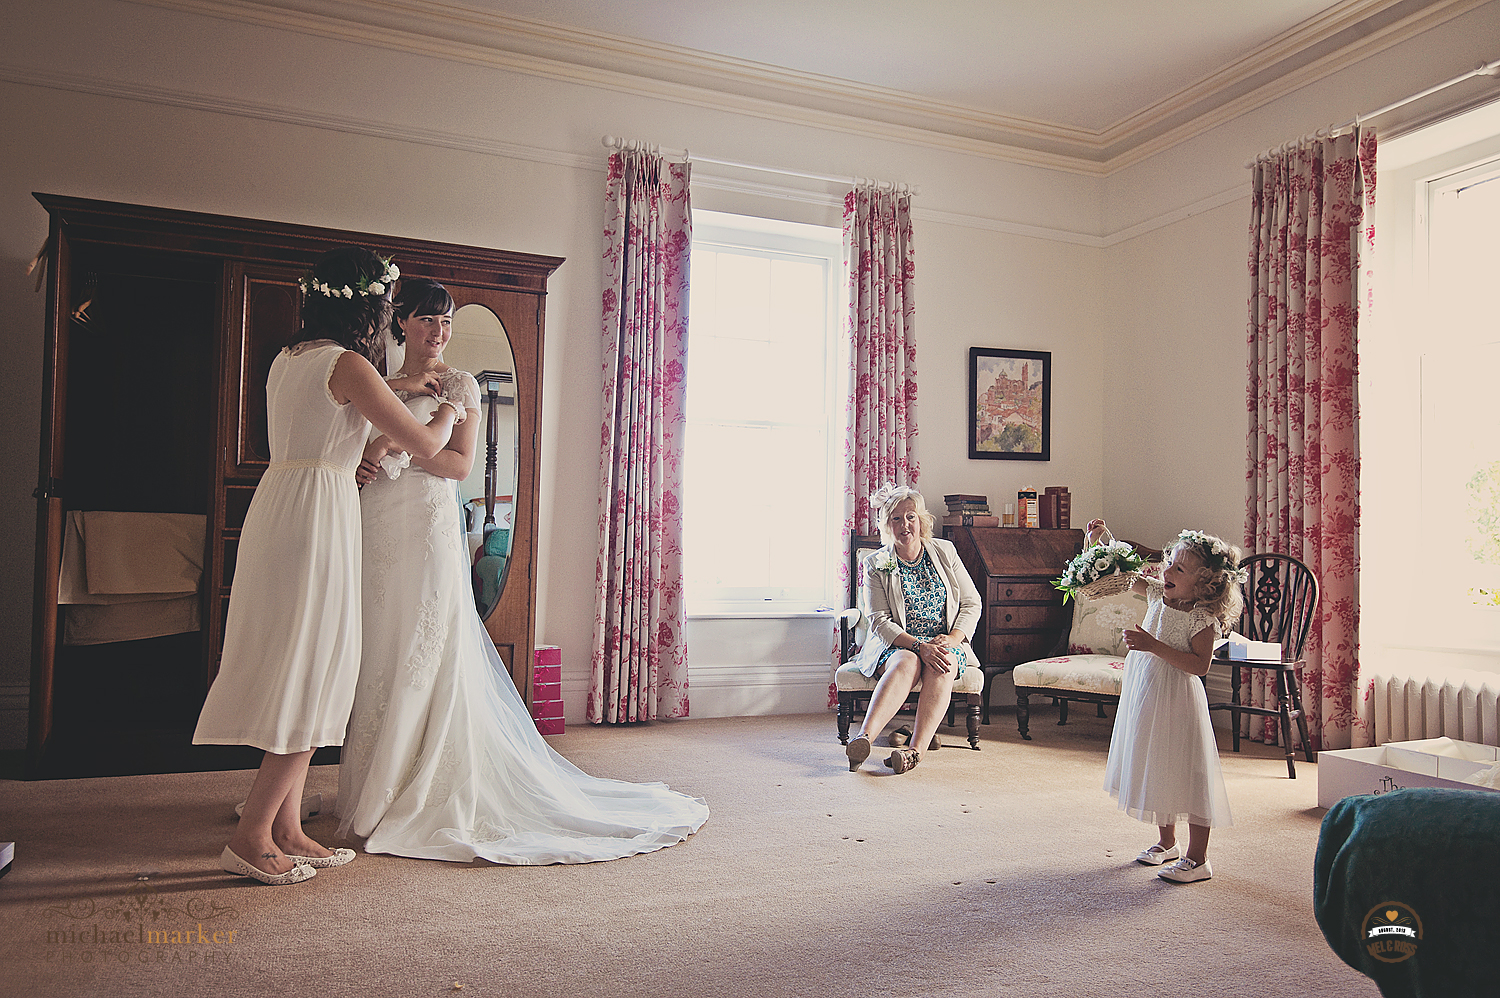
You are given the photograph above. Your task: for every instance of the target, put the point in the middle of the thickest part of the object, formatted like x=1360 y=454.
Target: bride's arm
x=457 y=459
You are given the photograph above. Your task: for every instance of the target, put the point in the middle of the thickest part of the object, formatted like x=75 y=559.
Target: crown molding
x=703 y=176
x=460 y=33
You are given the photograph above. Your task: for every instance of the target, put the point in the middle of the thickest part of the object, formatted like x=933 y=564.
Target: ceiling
x=1087 y=85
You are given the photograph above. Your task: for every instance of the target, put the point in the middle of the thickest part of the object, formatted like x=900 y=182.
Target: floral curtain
x=881 y=330
x=639 y=664
x=1310 y=227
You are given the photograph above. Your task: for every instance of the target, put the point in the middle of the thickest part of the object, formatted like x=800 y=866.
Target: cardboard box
x=547 y=655
x=546 y=691
x=1238 y=648
x=551 y=726
x=546 y=674
x=1430 y=762
x=546 y=709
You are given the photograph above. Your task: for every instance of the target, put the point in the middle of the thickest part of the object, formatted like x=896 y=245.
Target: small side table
x=1288 y=703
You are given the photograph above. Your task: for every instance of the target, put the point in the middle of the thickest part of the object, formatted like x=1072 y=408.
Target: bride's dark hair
x=419 y=296
x=358 y=322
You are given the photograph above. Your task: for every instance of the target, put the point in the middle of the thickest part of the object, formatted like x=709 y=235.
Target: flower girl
x=1163 y=759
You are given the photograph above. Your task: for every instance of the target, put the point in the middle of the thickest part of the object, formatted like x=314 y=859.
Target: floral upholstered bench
x=1090 y=667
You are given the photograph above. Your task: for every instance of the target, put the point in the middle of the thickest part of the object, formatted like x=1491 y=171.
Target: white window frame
x=774 y=237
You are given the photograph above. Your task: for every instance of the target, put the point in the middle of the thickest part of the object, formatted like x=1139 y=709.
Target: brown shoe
x=935 y=744
x=903 y=759
x=901 y=736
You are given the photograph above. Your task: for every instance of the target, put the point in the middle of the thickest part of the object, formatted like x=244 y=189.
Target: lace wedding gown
x=442 y=760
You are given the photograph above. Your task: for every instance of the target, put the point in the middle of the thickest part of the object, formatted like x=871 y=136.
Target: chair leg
x=1062 y=712
x=1307 y=749
x=989 y=677
x=1100 y=705
x=973 y=719
x=846 y=715
x=1284 y=705
x=1234 y=714
x=1023 y=714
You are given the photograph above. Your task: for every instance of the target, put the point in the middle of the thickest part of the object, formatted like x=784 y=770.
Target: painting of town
x=1010 y=402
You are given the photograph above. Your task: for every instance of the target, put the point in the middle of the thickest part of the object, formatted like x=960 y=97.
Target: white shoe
x=233 y=864
x=339 y=858
x=1185 y=871
x=311 y=804
x=1156 y=855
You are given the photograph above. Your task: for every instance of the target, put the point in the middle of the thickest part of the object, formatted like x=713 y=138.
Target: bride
x=442 y=760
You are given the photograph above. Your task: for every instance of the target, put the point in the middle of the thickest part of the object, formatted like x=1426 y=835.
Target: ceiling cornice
x=626 y=65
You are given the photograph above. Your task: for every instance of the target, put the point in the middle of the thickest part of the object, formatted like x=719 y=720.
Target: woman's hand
x=1137 y=639
x=936 y=657
x=369 y=464
x=418 y=384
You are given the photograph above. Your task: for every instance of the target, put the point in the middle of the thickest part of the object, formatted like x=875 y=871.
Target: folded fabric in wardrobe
x=127 y=576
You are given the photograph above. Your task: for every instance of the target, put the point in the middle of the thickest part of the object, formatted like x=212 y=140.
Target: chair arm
x=848 y=623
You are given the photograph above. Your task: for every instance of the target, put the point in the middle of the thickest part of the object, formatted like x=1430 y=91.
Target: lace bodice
x=457 y=386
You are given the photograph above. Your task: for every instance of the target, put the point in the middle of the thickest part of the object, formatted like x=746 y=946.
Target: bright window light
x=764 y=438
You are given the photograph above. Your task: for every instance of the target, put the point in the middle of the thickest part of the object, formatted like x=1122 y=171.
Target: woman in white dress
x=442 y=759
x=292 y=638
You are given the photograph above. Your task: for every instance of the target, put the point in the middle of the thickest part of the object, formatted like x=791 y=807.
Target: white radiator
x=1459 y=703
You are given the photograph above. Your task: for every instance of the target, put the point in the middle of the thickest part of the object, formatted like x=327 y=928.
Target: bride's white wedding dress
x=442 y=760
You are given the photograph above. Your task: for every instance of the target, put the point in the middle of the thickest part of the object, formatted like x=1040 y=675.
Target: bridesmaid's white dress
x=1163 y=758
x=443 y=760
x=292 y=638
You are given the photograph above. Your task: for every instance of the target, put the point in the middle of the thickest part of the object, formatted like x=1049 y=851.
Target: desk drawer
x=1023 y=617
x=1022 y=591
x=1002 y=648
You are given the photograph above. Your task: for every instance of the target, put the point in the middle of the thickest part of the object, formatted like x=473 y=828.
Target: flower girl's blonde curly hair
x=1221 y=575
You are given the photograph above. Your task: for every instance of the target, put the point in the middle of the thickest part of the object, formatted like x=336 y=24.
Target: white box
x=1238 y=648
x=1430 y=762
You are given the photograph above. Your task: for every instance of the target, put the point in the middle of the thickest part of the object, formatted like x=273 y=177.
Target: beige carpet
x=1001 y=872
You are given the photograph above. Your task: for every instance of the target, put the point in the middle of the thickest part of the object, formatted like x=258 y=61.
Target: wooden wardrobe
x=161 y=327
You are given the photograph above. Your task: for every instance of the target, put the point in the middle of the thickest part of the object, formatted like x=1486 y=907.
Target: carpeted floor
x=1001 y=872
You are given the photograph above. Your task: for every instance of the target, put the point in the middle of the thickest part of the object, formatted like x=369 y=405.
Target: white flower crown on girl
x=374 y=287
x=1216 y=553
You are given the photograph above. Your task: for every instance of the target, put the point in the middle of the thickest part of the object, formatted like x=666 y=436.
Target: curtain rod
x=1483 y=69
x=613 y=142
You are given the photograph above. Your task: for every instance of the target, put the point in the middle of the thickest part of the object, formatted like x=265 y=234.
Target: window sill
x=749 y=610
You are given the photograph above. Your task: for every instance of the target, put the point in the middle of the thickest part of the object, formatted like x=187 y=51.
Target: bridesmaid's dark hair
x=357 y=322
x=419 y=296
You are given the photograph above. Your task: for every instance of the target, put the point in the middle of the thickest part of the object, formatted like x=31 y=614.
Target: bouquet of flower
x=1102 y=570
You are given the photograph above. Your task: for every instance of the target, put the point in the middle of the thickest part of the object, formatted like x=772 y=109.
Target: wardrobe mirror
x=481 y=347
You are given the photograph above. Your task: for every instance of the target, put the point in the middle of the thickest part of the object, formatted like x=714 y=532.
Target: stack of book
x=966 y=510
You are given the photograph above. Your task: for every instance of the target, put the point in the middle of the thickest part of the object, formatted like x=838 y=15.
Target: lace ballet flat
x=339 y=858
x=311 y=805
x=233 y=864
x=858 y=750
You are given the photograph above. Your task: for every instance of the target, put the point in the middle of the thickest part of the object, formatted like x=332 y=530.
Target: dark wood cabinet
x=1013 y=569
x=161 y=328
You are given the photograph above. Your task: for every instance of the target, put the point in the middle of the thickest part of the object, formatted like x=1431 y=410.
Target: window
x=763 y=462
x=1429 y=429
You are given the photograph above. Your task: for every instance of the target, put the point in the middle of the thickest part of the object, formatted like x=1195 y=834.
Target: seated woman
x=923 y=609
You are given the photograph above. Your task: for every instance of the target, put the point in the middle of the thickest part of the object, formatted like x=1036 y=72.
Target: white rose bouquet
x=1101 y=570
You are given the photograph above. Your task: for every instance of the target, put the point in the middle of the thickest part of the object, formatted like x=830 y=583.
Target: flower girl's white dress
x=1163 y=758
x=442 y=760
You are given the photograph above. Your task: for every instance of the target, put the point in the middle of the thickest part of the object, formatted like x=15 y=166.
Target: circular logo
x=1391 y=931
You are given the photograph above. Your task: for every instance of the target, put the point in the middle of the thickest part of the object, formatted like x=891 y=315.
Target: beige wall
x=1133 y=279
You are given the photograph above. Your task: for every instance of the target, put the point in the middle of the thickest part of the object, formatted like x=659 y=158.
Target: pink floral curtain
x=639 y=665
x=881 y=328
x=1311 y=223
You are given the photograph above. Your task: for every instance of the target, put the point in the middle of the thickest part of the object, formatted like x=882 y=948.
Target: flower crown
x=890 y=493
x=372 y=286
x=1216 y=553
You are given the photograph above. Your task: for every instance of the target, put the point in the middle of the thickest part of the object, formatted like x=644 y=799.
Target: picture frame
x=1010 y=405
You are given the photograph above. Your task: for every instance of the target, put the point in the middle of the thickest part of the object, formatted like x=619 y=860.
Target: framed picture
x=1010 y=405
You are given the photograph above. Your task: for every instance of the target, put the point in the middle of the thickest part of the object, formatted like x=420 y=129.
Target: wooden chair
x=854 y=689
x=1281 y=597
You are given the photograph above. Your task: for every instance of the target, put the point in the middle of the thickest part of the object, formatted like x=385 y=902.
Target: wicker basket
x=1109 y=585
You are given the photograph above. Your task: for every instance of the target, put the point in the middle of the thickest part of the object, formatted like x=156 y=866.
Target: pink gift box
x=546 y=691
x=546 y=709
x=550 y=725
x=547 y=655
x=547 y=674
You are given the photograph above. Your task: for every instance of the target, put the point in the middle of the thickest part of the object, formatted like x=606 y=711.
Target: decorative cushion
x=1099 y=625
x=848 y=678
x=1084 y=673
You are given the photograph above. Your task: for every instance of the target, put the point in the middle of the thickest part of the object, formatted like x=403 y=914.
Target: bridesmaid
x=292 y=637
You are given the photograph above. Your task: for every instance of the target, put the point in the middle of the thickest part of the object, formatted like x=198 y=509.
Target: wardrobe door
x=263 y=304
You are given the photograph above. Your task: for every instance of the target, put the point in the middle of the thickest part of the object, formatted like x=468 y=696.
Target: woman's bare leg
x=932 y=704
x=901 y=672
x=278 y=781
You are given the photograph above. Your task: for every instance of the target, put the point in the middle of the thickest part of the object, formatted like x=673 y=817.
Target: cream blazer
x=885 y=603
